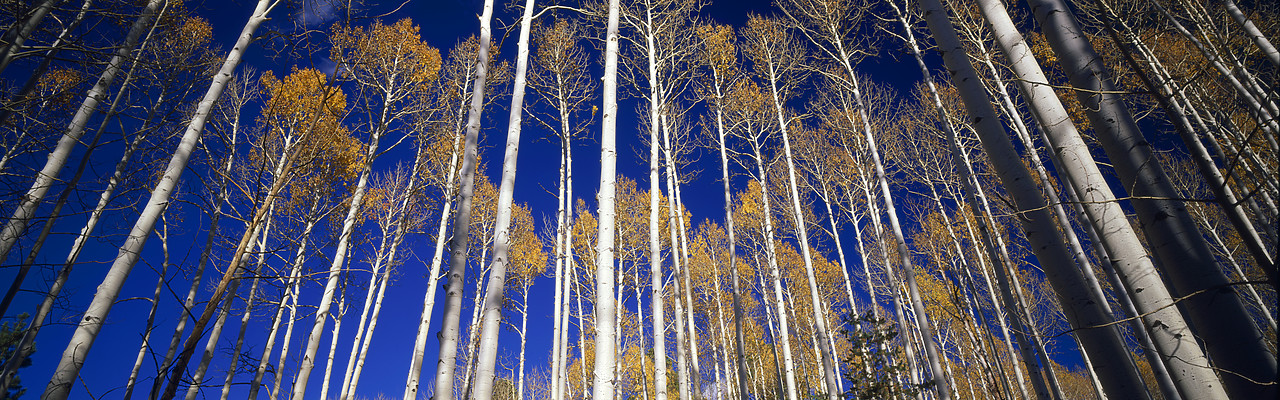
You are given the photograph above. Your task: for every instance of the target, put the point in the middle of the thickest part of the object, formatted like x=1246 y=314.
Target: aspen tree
x=457 y=82
x=751 y=106
x=605 y=331
x=1230 y=338
x=497 y=275
x=562 y=84
x=1082 y=310
x=829 y=27
x=462 y=218
x=163 y=234
x=399 y=216
x=16 y=225
x=773 y=63
x=720 y=55
x=73 y=358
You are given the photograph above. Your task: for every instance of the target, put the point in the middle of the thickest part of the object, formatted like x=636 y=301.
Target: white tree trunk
x=22 y=215
x=73 y=357
x=802 y=236
x=444 y=379
x=21 y=30
x=151 y=315
x=739 y=345
x=605 y=330
x=498 y=272
x=1079 y=303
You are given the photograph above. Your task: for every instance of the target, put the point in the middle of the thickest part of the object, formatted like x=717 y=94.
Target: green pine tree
x=875 y=365
x=10 y=337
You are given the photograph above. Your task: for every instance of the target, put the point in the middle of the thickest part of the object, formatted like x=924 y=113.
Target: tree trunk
x=151 y=315
x=1080 y=305
x=498 y=274
x=738 y=342
x=605 y=308
x=462 y=220
x=22 y=29
x=73 y=357
x=802 y=236
x=22 y=215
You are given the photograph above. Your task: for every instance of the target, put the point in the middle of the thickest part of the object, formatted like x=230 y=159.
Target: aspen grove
x=793 y=199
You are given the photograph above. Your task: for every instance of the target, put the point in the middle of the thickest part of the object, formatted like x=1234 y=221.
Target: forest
x=764 y=199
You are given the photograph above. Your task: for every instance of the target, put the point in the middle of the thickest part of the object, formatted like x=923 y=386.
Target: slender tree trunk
x=802 y=236
x=738 y=342
x=151 y=315
x=462 y=220
x=73 y=358
x=498 y=273
x=22 y=215
x=22 y=29
x=1080 y=305
x=433 y=279
x=333 y=348
x=605 y=307
x=788 y=364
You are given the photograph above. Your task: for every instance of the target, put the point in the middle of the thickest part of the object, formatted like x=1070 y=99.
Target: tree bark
x=73 y=357
x=605 y=307
x=1231 y=338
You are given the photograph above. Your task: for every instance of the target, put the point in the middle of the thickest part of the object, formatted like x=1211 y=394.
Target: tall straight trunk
x=23 y=95
x=738 y=342
x=1162 y=90
x=558 y=313
x=1226 y=328
x=802 y=236
x=359 y=356
x=335 y=269
x=73 y=357
x=682 y=357
x=333 y=349
x=1081 y=307
x=18 y=33
x=433 y=278
x=22 y=215
x=674 y=181
x=524 y=341
x=462 y=219
x=569 y=279
x=788 y=363
x=498 y=274
x=605 y=307
x=151 y=315
x=375 y=279
x=657 y=294
x=1252 y=31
